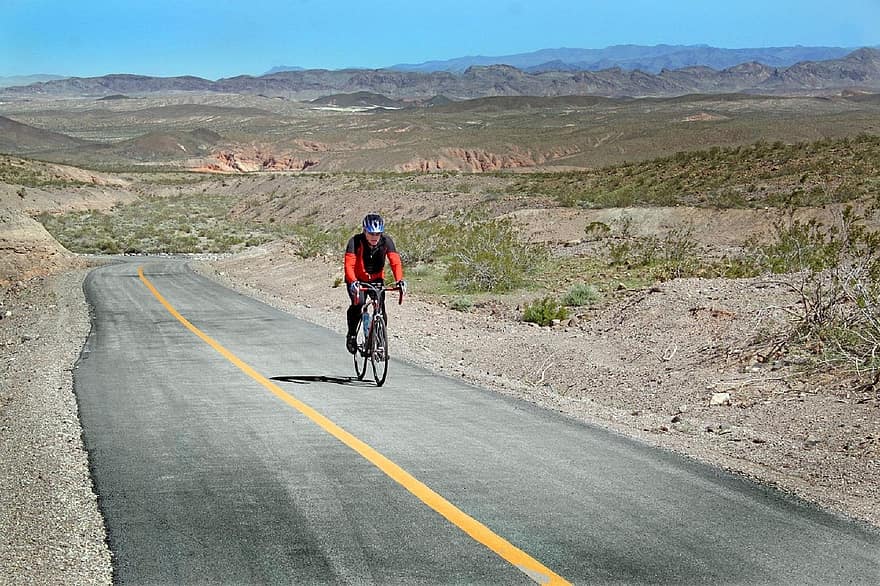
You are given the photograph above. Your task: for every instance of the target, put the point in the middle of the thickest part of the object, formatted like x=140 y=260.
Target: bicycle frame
x=375 y=340
x=374 y=303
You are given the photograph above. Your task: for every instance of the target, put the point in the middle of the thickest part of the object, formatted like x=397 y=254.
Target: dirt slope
x=28 y=250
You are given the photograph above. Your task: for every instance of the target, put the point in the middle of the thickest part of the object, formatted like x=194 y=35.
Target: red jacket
x=363 y=263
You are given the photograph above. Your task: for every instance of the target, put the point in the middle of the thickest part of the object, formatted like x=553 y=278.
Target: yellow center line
x=479 y=532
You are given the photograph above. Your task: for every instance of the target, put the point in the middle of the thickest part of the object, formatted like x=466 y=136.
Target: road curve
x=229 y=444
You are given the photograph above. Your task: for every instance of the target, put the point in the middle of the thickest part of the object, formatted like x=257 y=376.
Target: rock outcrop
x=482 y=161
x=232 y=162
x=28 y=250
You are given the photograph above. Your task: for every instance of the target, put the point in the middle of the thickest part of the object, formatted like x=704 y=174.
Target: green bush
x=544 y=311
x=797 y=246
x=461 y=304
x=597 y=230
x=580 y=294
x=313 y=241
x=489 y=256
x=835 y=273
x=421 y=241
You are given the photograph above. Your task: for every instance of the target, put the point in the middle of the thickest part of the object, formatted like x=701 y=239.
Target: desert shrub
x=544 y=311
x=680 y=252
x=797 y=246
x=835 y=274
x=313 y=240
x=580 y=294
x=419 y=241
x=106 y=246
x=597 y=230
x=489 y=256
x=674 y=255
x=461 y=304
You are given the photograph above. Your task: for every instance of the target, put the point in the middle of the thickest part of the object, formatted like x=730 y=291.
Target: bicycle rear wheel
x=362 y=355
x=379 y=350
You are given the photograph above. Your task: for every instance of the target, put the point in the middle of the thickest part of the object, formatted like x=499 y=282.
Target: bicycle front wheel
x=361 y=355
x=379 y=350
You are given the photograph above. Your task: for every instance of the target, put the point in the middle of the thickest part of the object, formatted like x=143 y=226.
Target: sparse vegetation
x=16 y=171
x=674 y=255
x=835 y=272
x=312 y=240
x=762 y=174
x=581 y=294
x=185 y=224
x=489 y=255
x=544 y=311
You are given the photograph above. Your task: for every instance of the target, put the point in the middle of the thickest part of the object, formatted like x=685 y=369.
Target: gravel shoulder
x=51 y=531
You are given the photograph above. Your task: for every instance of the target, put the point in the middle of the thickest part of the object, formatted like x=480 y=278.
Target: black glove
x=354 y=288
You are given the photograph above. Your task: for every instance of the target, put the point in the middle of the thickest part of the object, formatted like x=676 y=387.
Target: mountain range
x=650 y=59
x=858 y=70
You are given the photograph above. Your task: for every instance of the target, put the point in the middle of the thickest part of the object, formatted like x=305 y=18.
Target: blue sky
x=221 y=38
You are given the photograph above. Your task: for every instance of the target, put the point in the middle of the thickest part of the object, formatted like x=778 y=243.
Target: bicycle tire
x=361 y=356
x=379 y=350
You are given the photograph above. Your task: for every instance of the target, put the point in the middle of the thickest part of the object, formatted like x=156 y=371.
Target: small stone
x=719 y=400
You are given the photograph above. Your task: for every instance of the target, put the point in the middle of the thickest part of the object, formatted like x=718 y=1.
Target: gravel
x=51 y=530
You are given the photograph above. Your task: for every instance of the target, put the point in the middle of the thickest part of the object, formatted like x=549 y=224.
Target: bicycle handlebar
x=376 y=288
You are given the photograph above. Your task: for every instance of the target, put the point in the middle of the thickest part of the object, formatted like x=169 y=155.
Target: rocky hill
x=857 y=70
x=22 y=138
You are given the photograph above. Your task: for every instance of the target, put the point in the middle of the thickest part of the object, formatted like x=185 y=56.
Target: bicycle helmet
x=374 y=223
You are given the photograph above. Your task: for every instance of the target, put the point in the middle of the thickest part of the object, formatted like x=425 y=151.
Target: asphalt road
x=229 y=444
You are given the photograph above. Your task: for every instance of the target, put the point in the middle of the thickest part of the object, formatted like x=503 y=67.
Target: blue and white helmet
x=374 y=223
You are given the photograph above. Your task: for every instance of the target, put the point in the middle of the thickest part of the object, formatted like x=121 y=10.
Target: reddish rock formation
x=231 y=162
x=481 y=161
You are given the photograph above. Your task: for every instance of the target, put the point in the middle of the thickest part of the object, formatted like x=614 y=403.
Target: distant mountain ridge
x=18 y=80
x=858 y=70
x=650 y=59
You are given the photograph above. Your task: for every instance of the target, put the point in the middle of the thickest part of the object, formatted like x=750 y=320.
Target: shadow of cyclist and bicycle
x=320 y=378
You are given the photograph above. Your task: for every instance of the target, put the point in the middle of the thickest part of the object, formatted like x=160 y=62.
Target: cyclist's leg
x=354 y=310
x=385 y=313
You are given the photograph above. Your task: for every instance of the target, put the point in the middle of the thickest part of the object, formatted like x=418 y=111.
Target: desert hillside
x=28 y=250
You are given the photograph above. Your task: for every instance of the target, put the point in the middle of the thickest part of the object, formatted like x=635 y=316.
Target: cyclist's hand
x=401 y=284
x=354 y=287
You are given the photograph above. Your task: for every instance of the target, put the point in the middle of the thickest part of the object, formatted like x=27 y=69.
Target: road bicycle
x=372 y=334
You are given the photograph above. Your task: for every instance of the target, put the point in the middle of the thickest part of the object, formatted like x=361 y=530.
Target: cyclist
x=365 y=256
